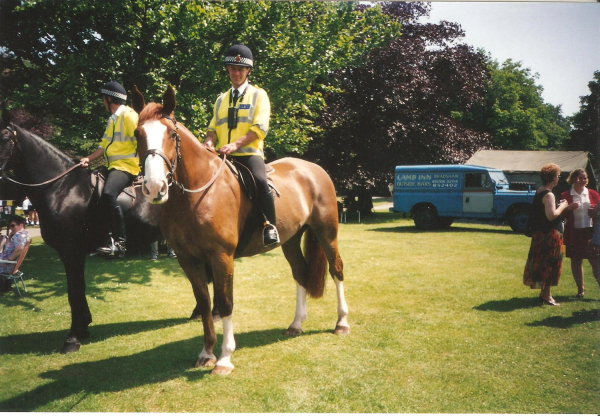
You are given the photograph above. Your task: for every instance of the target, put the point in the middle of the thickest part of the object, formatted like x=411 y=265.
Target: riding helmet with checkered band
x=239 y=55
x=114 y=89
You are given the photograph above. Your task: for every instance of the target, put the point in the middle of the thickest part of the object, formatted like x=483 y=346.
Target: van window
x=477 y=181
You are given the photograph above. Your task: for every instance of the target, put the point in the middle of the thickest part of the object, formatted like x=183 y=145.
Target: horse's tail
x=316 y=262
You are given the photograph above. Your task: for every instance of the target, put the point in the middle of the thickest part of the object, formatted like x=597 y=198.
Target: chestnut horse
x=205 y=212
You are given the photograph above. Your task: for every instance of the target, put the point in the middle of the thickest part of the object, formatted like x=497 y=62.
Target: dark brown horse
x=205 y=211
x=71 y=221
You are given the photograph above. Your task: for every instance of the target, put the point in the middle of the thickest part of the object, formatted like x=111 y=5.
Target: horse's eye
x=173 y=134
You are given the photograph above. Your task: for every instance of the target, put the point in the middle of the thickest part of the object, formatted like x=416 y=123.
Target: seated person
x=12 y=247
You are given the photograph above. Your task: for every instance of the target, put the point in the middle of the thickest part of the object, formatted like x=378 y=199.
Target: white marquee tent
x=522 y=166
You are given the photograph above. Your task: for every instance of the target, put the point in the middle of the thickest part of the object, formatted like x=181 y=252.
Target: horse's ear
x=137 y=99
x=169 y=102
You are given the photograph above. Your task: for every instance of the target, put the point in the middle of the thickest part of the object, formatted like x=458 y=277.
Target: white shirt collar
x=583 y=193
x=242 y=88
x=117 y=113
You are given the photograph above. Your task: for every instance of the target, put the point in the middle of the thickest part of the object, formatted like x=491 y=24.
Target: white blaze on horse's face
x=156 y=185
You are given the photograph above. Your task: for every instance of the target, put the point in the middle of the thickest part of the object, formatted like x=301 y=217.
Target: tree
x=586 y=123
x=402 y=105
x=514 y=112
x=56 y=56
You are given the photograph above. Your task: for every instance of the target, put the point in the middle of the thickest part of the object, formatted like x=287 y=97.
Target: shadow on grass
x=376 y=217
x=45 y=275
x=69 y=385
x=47 y=342
x=562 y=322
x=509 y=305
x=451 y=229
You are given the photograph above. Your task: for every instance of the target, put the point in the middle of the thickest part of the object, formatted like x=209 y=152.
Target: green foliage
x=514 y=113
x=401 y=105
x=57 y=55
x=586 y=122
x=365 y=87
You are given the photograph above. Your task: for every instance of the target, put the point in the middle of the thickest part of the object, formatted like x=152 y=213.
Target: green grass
x=440 y=323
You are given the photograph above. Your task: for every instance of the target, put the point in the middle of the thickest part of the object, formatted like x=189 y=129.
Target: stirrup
x=112 y=249
x=270 y=235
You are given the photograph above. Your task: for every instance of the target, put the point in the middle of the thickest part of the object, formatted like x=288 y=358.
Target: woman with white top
x=578 y=229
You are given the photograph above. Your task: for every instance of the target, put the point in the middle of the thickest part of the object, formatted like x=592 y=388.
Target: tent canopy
x=528 y=161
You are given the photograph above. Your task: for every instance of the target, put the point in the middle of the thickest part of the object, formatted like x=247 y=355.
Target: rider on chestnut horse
x=119 y=147
x=239 y=125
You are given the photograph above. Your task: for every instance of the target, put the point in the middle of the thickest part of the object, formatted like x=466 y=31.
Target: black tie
x=236 y=94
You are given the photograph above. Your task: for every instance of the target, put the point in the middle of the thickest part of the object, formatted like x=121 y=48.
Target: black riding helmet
x=115 y=90
x=239 y=55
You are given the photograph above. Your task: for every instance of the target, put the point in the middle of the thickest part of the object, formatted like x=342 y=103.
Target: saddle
x=248 y=186
x=126 y=198
x=246 y=178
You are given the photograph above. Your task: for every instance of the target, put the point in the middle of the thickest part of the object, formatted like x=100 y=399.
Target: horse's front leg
x=196 y=274
x=81 y=317
x=222 y=266
x=215 y=308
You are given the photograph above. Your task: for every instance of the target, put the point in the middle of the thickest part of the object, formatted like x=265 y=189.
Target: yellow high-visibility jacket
x=254 y=112
x=119 y=142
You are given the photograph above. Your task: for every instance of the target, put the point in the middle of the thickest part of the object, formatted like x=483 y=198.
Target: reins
x=43 y=183
x=4 y=177
x=203 y=188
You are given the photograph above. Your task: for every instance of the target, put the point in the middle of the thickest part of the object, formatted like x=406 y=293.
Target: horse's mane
x=44 y=145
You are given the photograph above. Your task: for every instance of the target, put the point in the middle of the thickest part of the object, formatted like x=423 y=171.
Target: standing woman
x=544 y=262
x=578 y=229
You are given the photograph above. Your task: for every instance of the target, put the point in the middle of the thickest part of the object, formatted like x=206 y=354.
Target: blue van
x=434 y=195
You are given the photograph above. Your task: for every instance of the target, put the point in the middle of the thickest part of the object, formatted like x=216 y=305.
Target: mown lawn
x=440 y=323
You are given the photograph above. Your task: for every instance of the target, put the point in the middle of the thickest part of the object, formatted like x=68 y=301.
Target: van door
x=478 y=195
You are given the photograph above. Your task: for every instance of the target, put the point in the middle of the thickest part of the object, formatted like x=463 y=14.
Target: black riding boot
x=116 y=244
x=270 y=234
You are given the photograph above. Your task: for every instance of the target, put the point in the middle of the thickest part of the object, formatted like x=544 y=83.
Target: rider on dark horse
x=238 y=128
x=119 y=147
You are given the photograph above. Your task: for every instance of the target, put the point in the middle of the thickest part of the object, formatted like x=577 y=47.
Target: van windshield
x=498 y=178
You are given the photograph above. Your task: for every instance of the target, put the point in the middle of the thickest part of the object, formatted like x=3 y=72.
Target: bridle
x=9 y=154
x=172 y=165
x=153 y=152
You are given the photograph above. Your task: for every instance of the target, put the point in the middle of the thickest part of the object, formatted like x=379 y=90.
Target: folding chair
x=15 y=274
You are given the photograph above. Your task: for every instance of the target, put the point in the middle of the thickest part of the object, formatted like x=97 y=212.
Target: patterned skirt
x=544 y=262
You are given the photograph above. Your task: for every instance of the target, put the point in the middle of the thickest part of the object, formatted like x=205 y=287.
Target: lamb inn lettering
x=442 y=180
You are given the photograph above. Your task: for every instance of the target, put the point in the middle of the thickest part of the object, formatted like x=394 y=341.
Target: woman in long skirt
x=544 y=262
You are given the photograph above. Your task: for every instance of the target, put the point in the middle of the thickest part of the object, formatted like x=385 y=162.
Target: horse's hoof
x=217 y=318
x=341 y=330
x=205 y=362
x=293 y=332
x=221 y=371
x=195 y=316
x=72 y=344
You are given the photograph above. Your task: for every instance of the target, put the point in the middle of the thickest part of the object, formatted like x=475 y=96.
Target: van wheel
x=518 y=219
x=426 y=218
